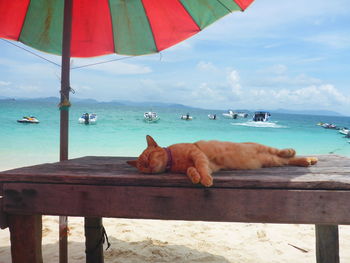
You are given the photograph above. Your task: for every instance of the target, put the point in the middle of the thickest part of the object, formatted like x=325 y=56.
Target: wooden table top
x=332 y=172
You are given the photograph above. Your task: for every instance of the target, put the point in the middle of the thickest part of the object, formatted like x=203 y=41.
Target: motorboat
x=344 y=131
x=27 y=119
x=329 y=126
x=150 y=116
x=186 y=117
x=87 y=118
x=261 y=116
x=230 y=114
x=212 y=117
x=242 y=115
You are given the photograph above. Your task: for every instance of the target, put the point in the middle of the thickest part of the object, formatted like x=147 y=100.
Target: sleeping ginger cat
x=198 y=160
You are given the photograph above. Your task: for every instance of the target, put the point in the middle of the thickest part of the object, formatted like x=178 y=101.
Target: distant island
x=167 y=105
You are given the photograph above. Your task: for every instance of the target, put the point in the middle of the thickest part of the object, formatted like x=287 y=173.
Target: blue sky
x=277 y=54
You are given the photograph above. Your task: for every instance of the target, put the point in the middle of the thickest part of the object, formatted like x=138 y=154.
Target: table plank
x=204 y=204
x=331 y=172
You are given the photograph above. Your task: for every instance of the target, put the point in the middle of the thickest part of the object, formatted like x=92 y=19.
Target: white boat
x=261 y=116
x=344 y=131
x=329 y=126
x=212 y=117
x=87 y=118
x=230 y=114
x=30 y=119
x=242 y=115
x=186 y=117
x=150 y=116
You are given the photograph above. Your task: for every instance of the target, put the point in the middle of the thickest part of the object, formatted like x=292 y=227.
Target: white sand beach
x=182 y=241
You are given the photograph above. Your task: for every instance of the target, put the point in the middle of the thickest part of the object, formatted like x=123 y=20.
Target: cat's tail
x=302 y=161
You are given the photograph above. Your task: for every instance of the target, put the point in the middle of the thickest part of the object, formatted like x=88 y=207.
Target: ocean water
x=121 y=131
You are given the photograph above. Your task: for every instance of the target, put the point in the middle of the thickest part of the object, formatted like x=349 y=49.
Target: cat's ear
x=132 y=163
x=151 y=142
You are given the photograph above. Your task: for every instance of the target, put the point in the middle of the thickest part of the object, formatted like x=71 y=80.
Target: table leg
x=3 y=216
x=25 y=235
x=94 y=240
x=327 y=244
x=63 y=239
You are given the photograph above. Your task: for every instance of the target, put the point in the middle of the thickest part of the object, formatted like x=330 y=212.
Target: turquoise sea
x=121 y=131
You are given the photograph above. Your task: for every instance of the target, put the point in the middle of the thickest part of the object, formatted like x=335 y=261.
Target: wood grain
x=3 y=216
x=331 y=172
x=204 y=204
x=327 y=244
x=25 y=237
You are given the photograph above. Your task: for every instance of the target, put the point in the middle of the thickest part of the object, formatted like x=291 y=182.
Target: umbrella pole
x=64 y=117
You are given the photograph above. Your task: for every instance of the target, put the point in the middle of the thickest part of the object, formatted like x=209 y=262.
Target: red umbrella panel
x=100 y=27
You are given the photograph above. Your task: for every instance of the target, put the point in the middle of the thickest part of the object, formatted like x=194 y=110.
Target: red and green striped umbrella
x=100 y=27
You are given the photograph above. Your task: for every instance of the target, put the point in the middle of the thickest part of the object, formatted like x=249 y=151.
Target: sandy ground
x=183 y=241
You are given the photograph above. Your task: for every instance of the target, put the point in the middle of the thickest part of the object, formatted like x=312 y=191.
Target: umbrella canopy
x=100 y=27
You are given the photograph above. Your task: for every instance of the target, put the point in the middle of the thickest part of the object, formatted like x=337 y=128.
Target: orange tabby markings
x=286 y=153
x=198 y=160
x=193 y=175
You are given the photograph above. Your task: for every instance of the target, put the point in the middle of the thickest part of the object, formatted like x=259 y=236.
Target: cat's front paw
x=207 y=181
x=193 y=174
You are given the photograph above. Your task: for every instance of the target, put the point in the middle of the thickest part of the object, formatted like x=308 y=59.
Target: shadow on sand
x=152 y=251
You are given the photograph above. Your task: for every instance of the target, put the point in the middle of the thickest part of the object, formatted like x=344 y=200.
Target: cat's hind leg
x=286 y=153
x=193 y=174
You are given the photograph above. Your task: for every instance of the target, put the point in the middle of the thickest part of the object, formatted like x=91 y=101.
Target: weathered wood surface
x=94 y=239
x=3 y=216
x=331 y=172
x=327 y=243
x=26 y=233
x=204 y=204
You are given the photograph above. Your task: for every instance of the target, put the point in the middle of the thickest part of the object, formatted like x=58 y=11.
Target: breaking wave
x=259 y=124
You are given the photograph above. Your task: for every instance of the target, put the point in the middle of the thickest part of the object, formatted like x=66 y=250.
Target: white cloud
x=275 y=69
x=263 y=18
x=233 y=80
x=29 y=89
x=81 y=88
x=321 y=96
x=206 y=66
x=277 y=76
x=121 y=68
x=4 y=83
x=338 y=40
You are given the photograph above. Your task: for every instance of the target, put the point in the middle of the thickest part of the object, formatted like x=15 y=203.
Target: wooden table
x=96 y=187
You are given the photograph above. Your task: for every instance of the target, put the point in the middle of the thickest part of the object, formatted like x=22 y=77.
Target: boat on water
x=261 y=116
x=230 y=114
x=150 y=116
x=242 y=115
x=344 y=131
x=88 y=118
x=212 y=117
x=27 y=119
x=329 y=126
x=186 y=117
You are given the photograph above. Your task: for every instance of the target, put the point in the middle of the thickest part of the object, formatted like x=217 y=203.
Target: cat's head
x=152 y=160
